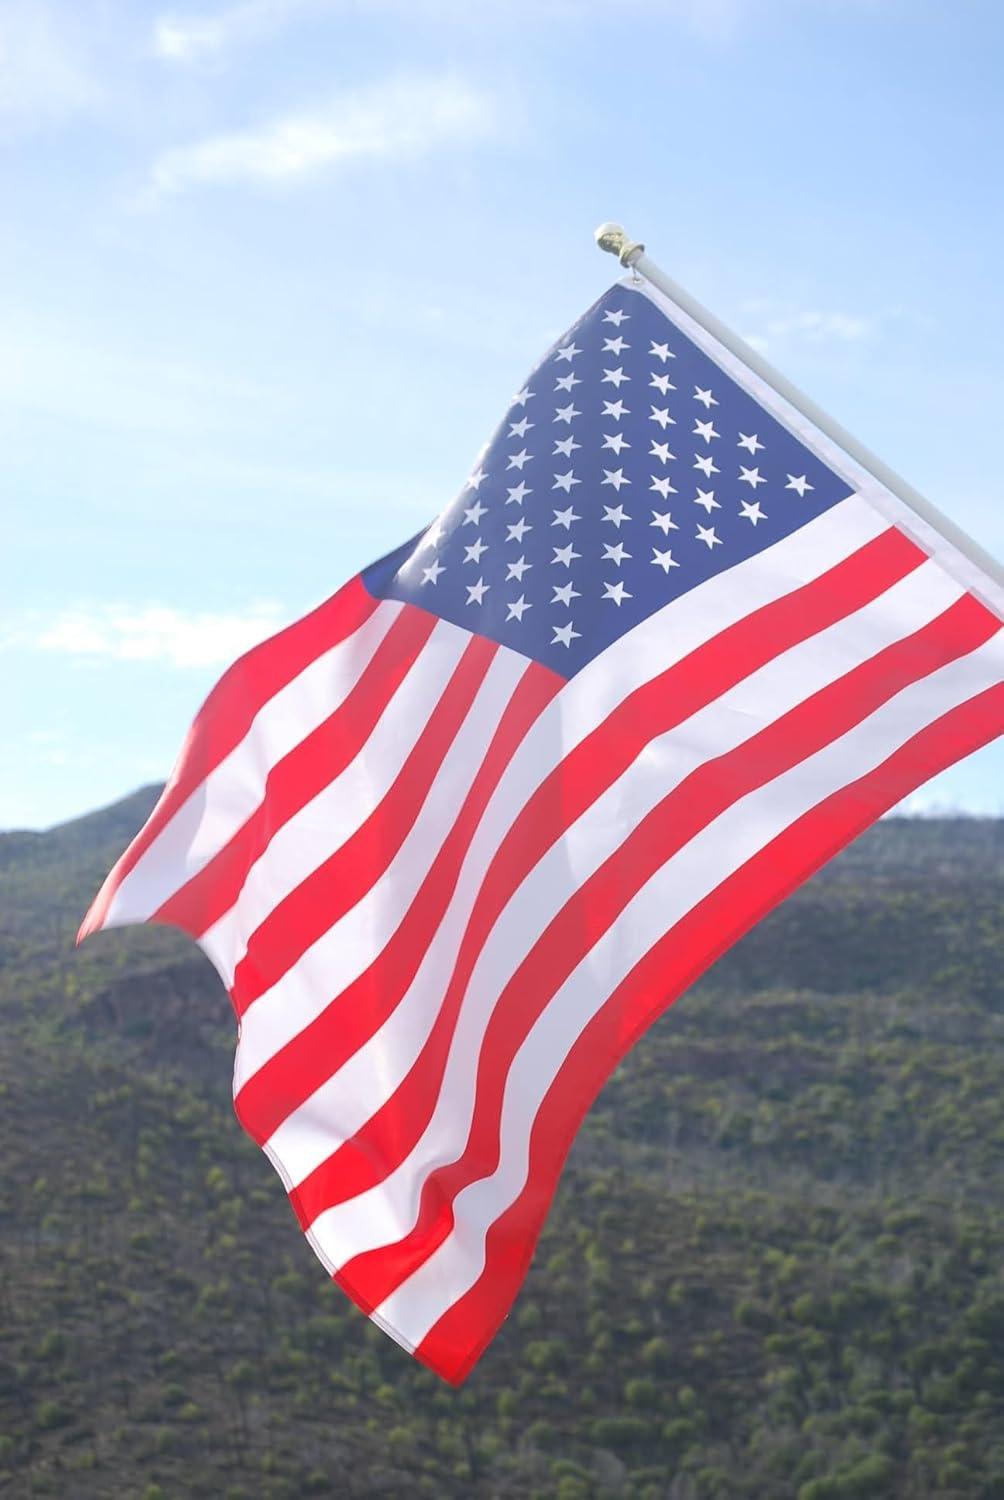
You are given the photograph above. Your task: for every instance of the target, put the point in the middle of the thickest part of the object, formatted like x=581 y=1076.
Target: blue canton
x=629 y=469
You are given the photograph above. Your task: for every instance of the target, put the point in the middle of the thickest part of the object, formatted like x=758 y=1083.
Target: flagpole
x=614 y=239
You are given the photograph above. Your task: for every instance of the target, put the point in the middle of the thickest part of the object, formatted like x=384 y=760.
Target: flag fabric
x=457 y=837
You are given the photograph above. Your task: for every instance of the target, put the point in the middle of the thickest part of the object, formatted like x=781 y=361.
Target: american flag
x=456 y=838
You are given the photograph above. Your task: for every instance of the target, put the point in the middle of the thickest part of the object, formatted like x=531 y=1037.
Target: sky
x=270 y=272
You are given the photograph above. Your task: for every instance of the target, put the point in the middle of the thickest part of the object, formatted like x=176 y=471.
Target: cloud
x=151 y=633
x=187 y=39
x=42 y=73
x=396 y=119
x=810 y=327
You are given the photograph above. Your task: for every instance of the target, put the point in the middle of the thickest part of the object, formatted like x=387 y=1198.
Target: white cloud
x=810 y=327
x=43 y=76
x=190 y=38
x=151 y=633
x=401 y=118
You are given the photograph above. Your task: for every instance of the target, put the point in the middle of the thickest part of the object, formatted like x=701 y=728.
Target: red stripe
x=681 y=955
x=352 y=1017
x=698 y=800
x=583 y=775
x=344 y=878
x=300 y=776
x=227 y=714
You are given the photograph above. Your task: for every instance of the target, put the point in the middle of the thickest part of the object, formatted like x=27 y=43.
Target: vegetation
x=774 y=1268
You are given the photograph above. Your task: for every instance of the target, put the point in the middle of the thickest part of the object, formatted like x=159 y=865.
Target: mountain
x=774 y=1268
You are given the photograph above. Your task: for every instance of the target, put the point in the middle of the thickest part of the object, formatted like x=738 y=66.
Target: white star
x=565 y=446
x=614 y=477
x=751 y=476
x=565 y=594
x=798 y=483
x=614 y=552
x=476 y=591
x=661 y=452
x=661 y=351
x=705 y=430
x=434 y=535
x=432 y=572
x=662 y=487
x=566 y=413
x=520 y=428
x=564 y=555
x=664 y=521
x=565 y=481
x=474 y=551
x=750 y=509
x=706 y=534
x=616 y=317
x=517 y=569
x=707 y=499
x=567 y=381
x=617 y=592
x=705 y=396
x=518 y=493
x=662 y=384
x=616 y=514
x=706 y=465
x=565 y=635
x=614 y=377
x=568 y=351
x=616 y=409
x=664 y=560
x=750 y=442
x=473 y=514
x=614 y=346
x=518 y=532
x=477 y=479
x=565 y=518
x=518 y=608
x=522 y=397
x=615 y=441
x=661 y=415
x=517 y=460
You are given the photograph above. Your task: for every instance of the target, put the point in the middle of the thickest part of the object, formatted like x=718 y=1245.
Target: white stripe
x=224 y=801
x=417 y=1304
x=650 y=648
x=324 y=823
x=306 y=990
x=343 y=1104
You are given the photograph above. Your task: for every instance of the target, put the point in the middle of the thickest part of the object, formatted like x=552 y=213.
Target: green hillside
x=775 y=1268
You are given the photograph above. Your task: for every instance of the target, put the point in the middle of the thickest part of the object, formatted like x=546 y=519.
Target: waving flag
x=457 y=837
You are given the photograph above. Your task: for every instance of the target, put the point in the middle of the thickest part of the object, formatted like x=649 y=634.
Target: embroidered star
x=662 y=384
x=614 y=552
x=567 y=381
x=520 y=428
x=704 y=396
x=706 y=465
x=518 y=608
x=661 y=351
x=750 y=509
x=568 y=352
x=565 y=555
x=707 y=499
x=517 y=460
x=614 y=346
x=614 y=477
x=664 y=560
x=750 y=442
x=615 y=513
x=432 y=572
x=517 y=569
x=477 y=479
x=474 y=551
x=617 y=592
x=661 y=415
x=662 y=487
x=522 y=397
x=473 y=514
x=476 y=591
x=564 y=635
x=615 y=441
x=661 y=452
x=705 y=430
x=565 y=518
x=434 y=535
x=616 y=409
x=616 y=317
x=798 y=483
x=566 y=413
x=565 y=594
x=565 y=481
x=518 y=493
x=565 y=446
x=706 y=534
x=518 y=532
x=751 y=476
x=614 y=377
x=664 y=521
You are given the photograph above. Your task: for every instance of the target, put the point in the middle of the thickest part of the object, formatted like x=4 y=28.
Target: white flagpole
x=613 y=238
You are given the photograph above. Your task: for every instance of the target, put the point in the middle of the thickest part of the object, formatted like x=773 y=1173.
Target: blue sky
x=269 y=272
